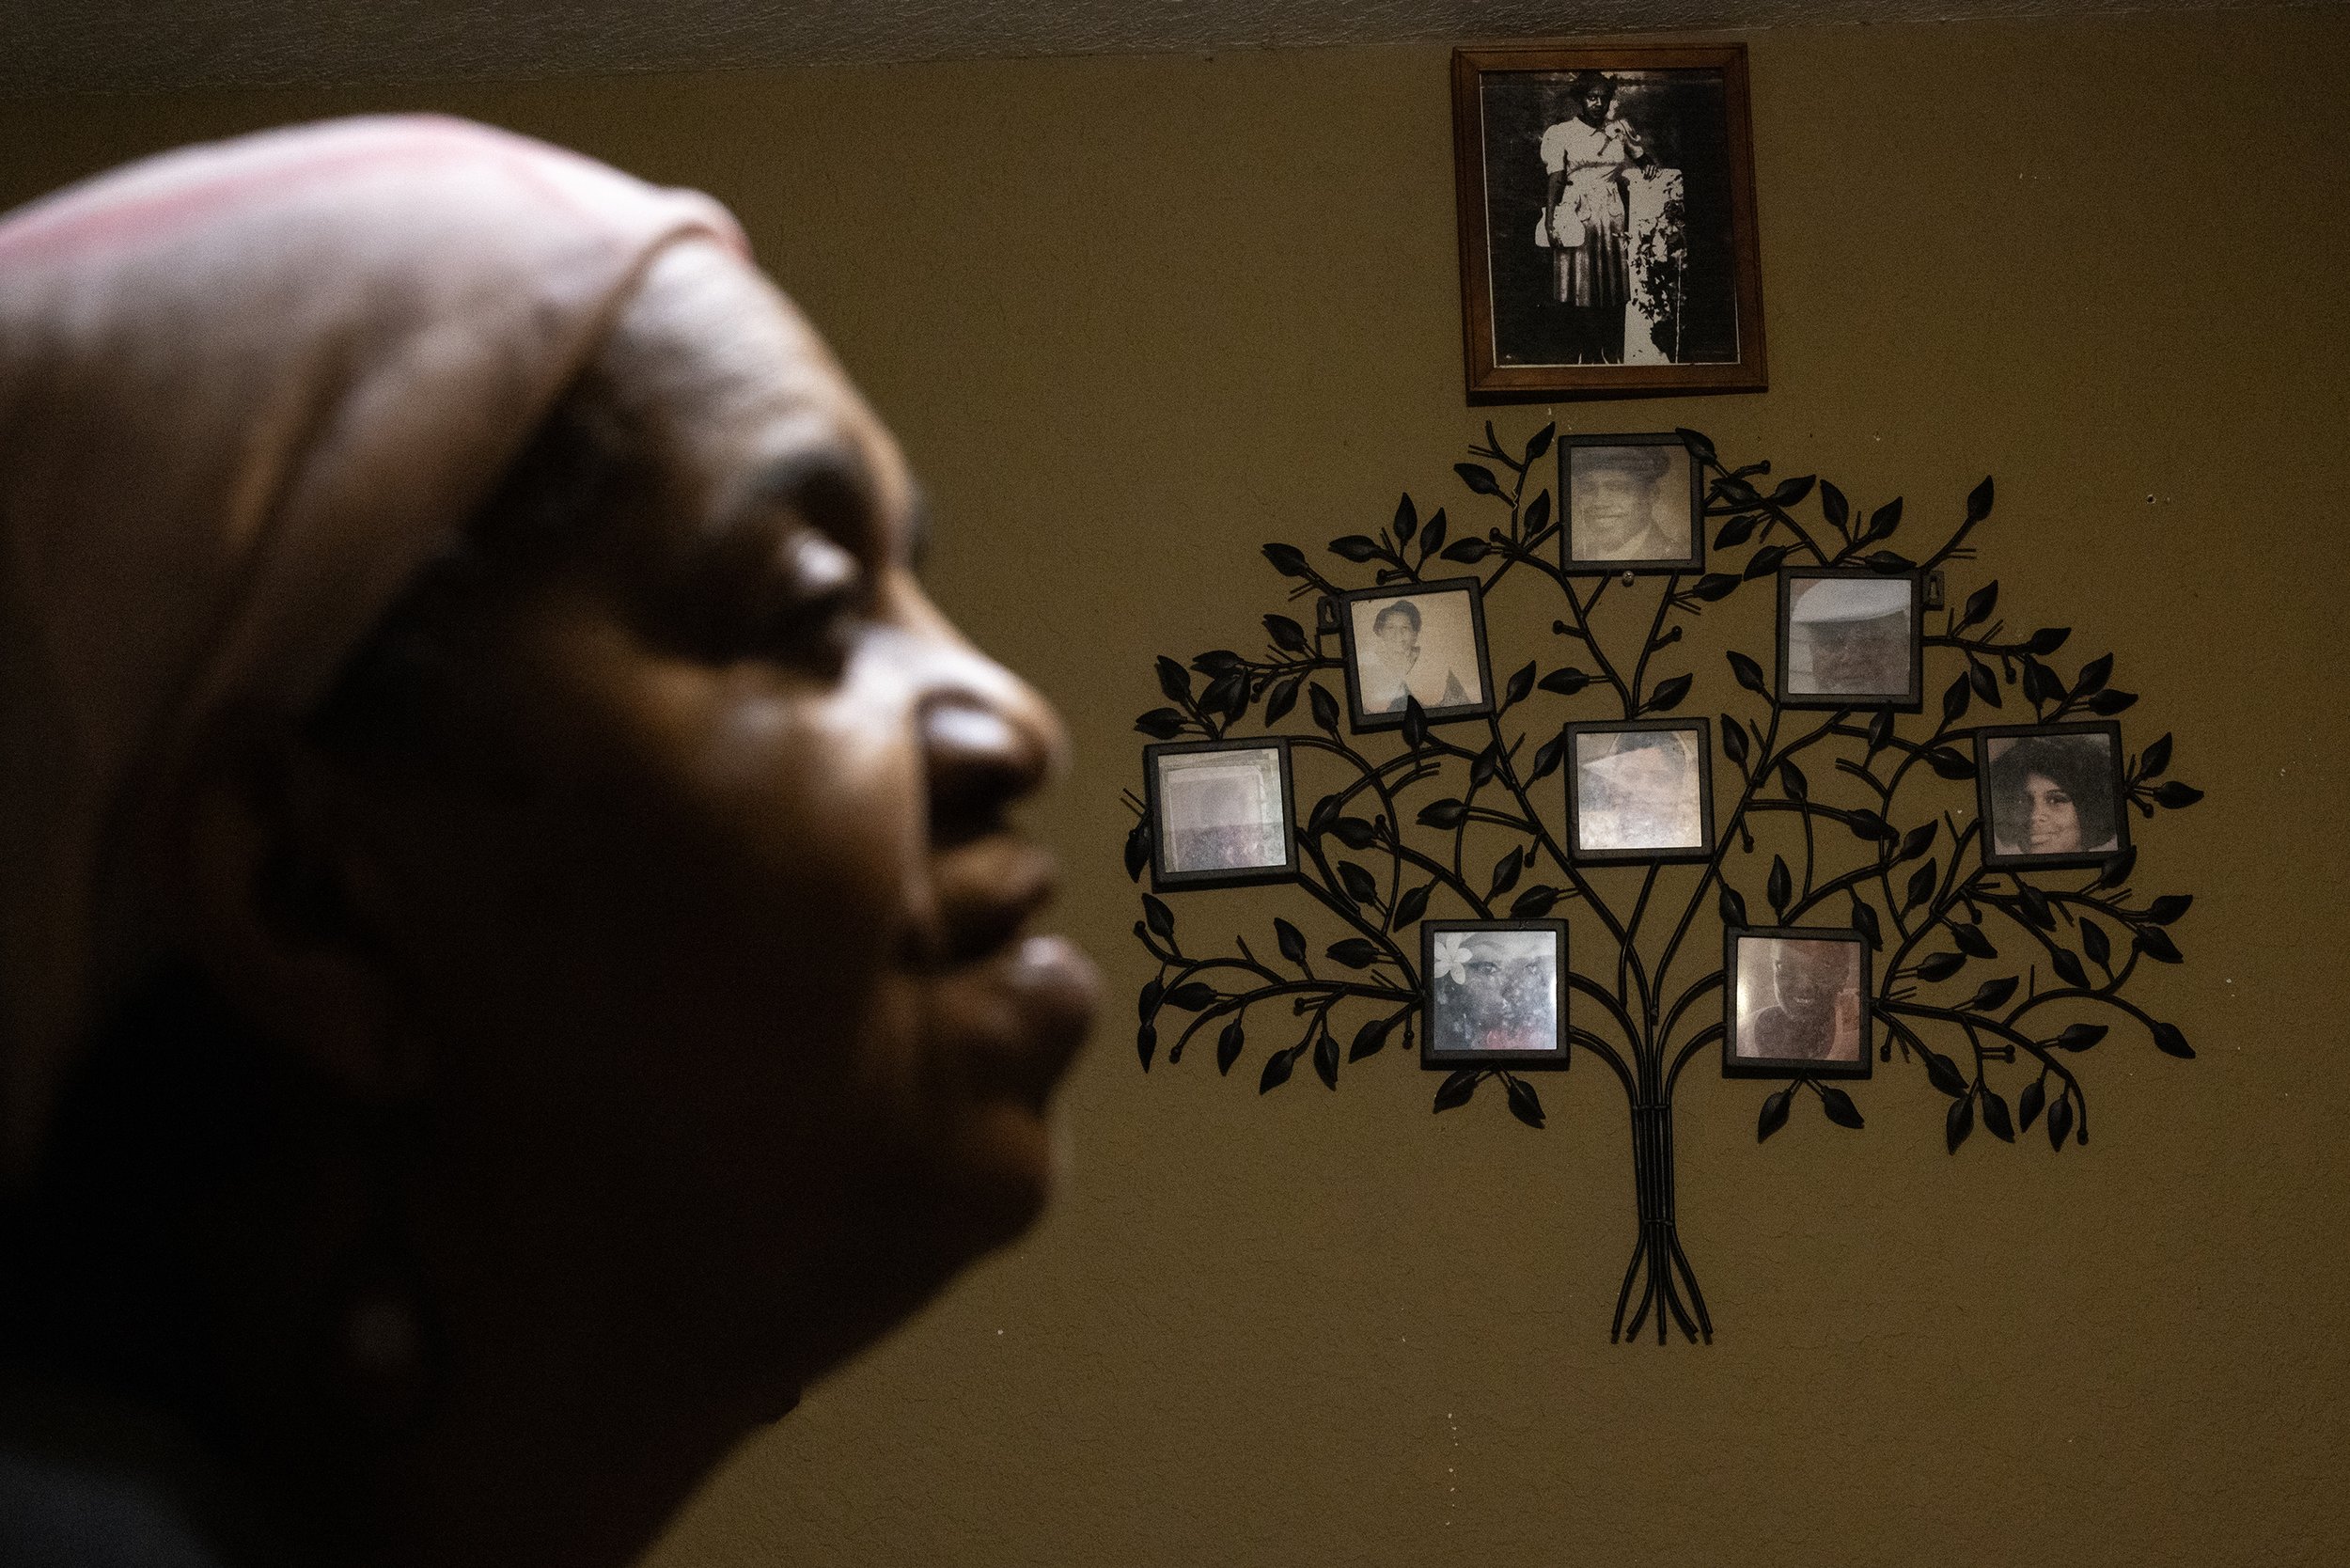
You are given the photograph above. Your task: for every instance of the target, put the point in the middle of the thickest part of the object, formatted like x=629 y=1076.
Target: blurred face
x=1611 y=507
x=1508 y=989
x=1807 y=986
x=2052 y=823
x=1398 y=639
x=1859 y=655
x=1594 y=106
x=717 y=923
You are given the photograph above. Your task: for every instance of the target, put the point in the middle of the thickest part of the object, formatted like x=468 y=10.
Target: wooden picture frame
x=2065 y=757
x=1615 y=477
x=1445 y=987
x=1247 y=860
x=1744 y=1055
x=1660 y=292
x=1867 y=664
x=1457 y=639
x=1579 y=823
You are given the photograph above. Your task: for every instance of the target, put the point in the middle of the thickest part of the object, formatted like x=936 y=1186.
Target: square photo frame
x=1795 y=1000
x=1603 y=205
x=1423 y=640
x=1851 y=637
x=1494 y=994
x=1630 y=503
x=1640 y=791
x=1221 y=812
x=2051 y=794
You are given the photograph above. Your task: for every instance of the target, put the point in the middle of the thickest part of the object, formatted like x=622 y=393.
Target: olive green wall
x=1133 y=316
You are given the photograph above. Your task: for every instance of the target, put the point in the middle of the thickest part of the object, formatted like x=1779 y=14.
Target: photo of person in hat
x=1849 y=637
x=1638 y=790
x=1629 y=504
x=1421 y=646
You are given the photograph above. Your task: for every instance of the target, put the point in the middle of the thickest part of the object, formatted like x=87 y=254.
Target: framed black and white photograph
x=1850 y=636
x=1605 y=198
x=1220 y=813
x=1631 y=503
x=1798 y=1002
x=1425 y=643
x=2050 y=794
x=1496 y=993
x=1642 y=790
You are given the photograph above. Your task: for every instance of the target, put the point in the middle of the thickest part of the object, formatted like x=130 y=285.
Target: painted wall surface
x=1131 y=318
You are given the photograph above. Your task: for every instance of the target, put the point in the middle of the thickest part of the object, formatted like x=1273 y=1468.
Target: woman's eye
x=810 y=607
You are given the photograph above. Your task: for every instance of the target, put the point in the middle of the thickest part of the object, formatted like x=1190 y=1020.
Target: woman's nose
x=986 y=743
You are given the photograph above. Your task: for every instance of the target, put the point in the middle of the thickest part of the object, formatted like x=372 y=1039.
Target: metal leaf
x=1478 y=477
x=1443 y=813
x=1412 y=905
x=1765 y=562
x=1535 y=902
x=1979 y=501
x=1949 y=762
x=1468 y=552
x=1138 y=850
x=1995 y=1117
x=1547 y=757
x=2068 y=968
x=1160 y=918
x=1355 y=952
x=1834 y=507
x=2029 y=1104
x=1749 y=674
x=1291 y=940
x=1415 y=723
x=1457 y=1087
x=1734 y=740
x=1146 y=1042
x=1774 y=1115
x=1698 y=445
x=2168 y=908
x=1921 y=885
x=1325 y=708
x=1839 y=1106
x=1566 y=682
x=1355 y=832
x=1281 y=699
x=2060 y=1122
x=1954 y=700
x=1733 y=908
x=1980 y=605
x=1667 y=694
x=1506 y=872
x=2097 y=944
x=1917 y=841
x=1943 y=1073
x=1161 y=724
x=1276 y=1069
x=1406 y=519
x=2118 y=868
x=1941 y=967
x=1992 y=993
x=1864 y=920
x=1780 y=888
x=1288 y=560
x=1524 y=1103
x=2155 y=944
x=1715 y=587
x=2047 y=640
x=1192 y=995
x=1882 y=523
x=1520 y=685
x=2169 y=1041
x=2175 y=795
x=1286 y=633
x=1175 y=680
x=2080 y=1037
x=1360 y=885
x=1228 y=1046
x=2158 y=758
x=1960 y=1121
x=1356 y=547
x=1326 y=1059
x=1541 y=443
x=1972 y=942
x=1369 y=1040
x=2093 y=675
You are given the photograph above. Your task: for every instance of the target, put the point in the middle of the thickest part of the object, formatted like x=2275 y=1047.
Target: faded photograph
x=1495 y=990
x=1417 y=645
x=1850 y=636
x=1222 y=811
x=2053 y=794
x=1638 y=790
x=1629 y=504
x=1797 y=1000
x=1609 y=230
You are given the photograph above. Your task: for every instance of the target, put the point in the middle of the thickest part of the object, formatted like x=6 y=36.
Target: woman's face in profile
x=2052 y=823
x=719 y=920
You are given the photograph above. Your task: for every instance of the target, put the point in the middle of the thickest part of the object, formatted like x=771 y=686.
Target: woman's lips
x=1016 y=1007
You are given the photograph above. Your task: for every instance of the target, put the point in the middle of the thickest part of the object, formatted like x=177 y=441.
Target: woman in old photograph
x=513 y=956
x=2053 y=794
x=1392 y=667
x=1583 y=157
x=1805 y=1006
x=1497 y=991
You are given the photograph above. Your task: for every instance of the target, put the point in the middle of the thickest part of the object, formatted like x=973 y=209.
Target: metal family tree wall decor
x=1581 y=874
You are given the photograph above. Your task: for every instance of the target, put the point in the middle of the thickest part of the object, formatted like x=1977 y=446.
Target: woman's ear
x=278 y=899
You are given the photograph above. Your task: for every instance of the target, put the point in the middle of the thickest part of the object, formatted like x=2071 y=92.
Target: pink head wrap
x=247 y=390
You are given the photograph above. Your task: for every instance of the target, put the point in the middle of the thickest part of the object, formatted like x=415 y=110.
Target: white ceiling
x=71 y=46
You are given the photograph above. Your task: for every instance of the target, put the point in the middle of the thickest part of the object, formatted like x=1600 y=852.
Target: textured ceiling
x=66 y=46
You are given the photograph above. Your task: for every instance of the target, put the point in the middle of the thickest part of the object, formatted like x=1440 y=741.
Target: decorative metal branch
x=1868 y=861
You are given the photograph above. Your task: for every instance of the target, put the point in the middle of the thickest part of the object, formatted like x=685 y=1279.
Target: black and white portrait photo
x=1496 y=992
x=1633 y=503
x=1798 y=1002
x=1849 y=637
x=1219 y=813
x=1607 y=209
x=1640 y=791
x=1426 y=645
x=2051 y=795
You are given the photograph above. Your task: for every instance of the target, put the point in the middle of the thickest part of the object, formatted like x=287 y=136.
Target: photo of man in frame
x=1850 y=636
x=1799 y=1000
x=1638 y=790
x=1629 y=504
